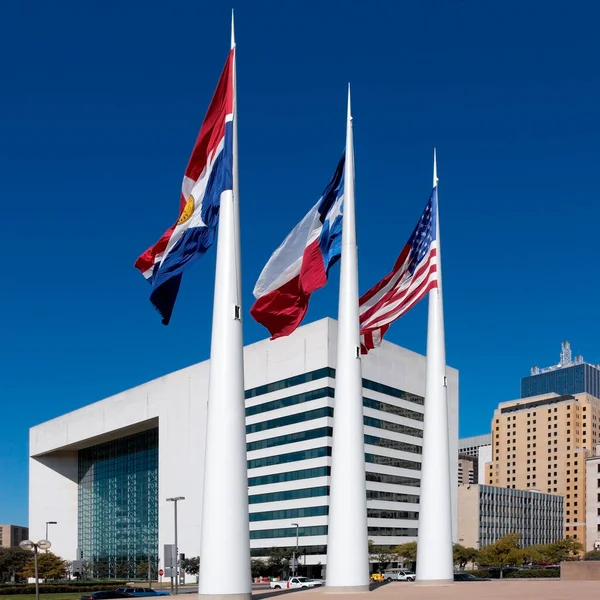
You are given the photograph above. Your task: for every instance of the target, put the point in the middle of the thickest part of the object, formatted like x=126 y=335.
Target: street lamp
x=175 y=501
x=294 y=563
x=41 y=545
x=49 y=523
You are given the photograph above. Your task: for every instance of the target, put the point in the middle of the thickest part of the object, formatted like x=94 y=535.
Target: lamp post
x=49 y=523
x=294 y=559
x=36 y=547
x=175 y=501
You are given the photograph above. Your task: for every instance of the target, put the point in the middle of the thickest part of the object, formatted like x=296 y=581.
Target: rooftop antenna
x=565 y=354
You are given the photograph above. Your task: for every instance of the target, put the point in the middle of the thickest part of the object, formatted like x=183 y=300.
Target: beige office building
x=12 y=535
x=541 y=443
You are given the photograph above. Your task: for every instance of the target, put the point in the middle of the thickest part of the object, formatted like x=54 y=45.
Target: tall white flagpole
x=434 y=546
x=347 y=540
x=225 y=536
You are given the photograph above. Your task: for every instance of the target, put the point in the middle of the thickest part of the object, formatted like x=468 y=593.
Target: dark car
x=140 y=592
x=108 y=595
x=468 y=577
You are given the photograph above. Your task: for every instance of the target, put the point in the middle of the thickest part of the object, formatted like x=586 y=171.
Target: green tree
x=382 y=555
x=463 y=556
x=258 y=568
x=592 y=555
x=12 y=561
x=278 y=561
x=562 y=550
x=141 y=570
x=533 y=554
x=502 y=553
x=50 y=566
x=408 y=552
x=191 y=565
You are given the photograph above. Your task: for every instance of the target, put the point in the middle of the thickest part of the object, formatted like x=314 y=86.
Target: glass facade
x=118 y=506
x=537 y=517
x=289 y=495
x=575 y=379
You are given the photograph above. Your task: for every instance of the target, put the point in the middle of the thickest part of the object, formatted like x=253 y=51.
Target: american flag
x=413 y=276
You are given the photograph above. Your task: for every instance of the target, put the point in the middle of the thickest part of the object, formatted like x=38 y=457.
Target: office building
x=467 y=469
x=104 y=472
x=487 y=513
x=541 y=443
x=477 y=449
x=569 y=376
x=12 y=535
x=592 y=506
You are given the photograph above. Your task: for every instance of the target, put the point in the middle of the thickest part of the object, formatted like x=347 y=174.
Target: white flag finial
x=232 y=30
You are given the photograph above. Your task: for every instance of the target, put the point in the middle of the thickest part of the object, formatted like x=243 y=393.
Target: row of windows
x=289 y=457
x=390 y=391
x=375 y=459
x=328 y=412
x=321 y=511
x=392 y=462
x=304 y=550
x=289 y=476
x=291 y=419
x=284 y=532
x=393 y=496
x=324 y=491
x=292 y=513
x=262 y=534
x=393 y=444
x=395 y=479
x=325 y=472
x=326 y=392
x=378 y=513
x=289 y=495
x=319 y=432
x=396 y=427
x=393 y=410
x=329 y=372
x=329 y=392
x=290 y=438
x=290 y=382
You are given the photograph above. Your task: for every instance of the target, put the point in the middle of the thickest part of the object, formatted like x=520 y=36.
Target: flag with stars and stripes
x=413 y=276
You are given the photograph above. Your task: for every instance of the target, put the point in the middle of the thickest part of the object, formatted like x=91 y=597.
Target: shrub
x=532 y=574
x=53 y=588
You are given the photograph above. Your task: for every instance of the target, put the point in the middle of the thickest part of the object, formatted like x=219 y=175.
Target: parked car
x=399 y=575
x=104 y=595
x=377 y=577
x=468 y=577
x=140 y=592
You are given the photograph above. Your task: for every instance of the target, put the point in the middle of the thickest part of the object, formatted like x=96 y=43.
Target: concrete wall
x=468 y=515
x=580 y=570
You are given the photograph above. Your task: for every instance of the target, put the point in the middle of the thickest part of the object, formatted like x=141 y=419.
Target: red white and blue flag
x=300 y=266
x=209 y=174
x=413 y=276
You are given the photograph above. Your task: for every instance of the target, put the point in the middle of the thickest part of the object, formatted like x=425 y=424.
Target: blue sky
x=101 y=103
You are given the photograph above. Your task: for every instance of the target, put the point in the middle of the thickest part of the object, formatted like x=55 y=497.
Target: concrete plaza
x=520 y=589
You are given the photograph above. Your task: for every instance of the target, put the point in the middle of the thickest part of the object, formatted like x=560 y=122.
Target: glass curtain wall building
x=118 y=507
